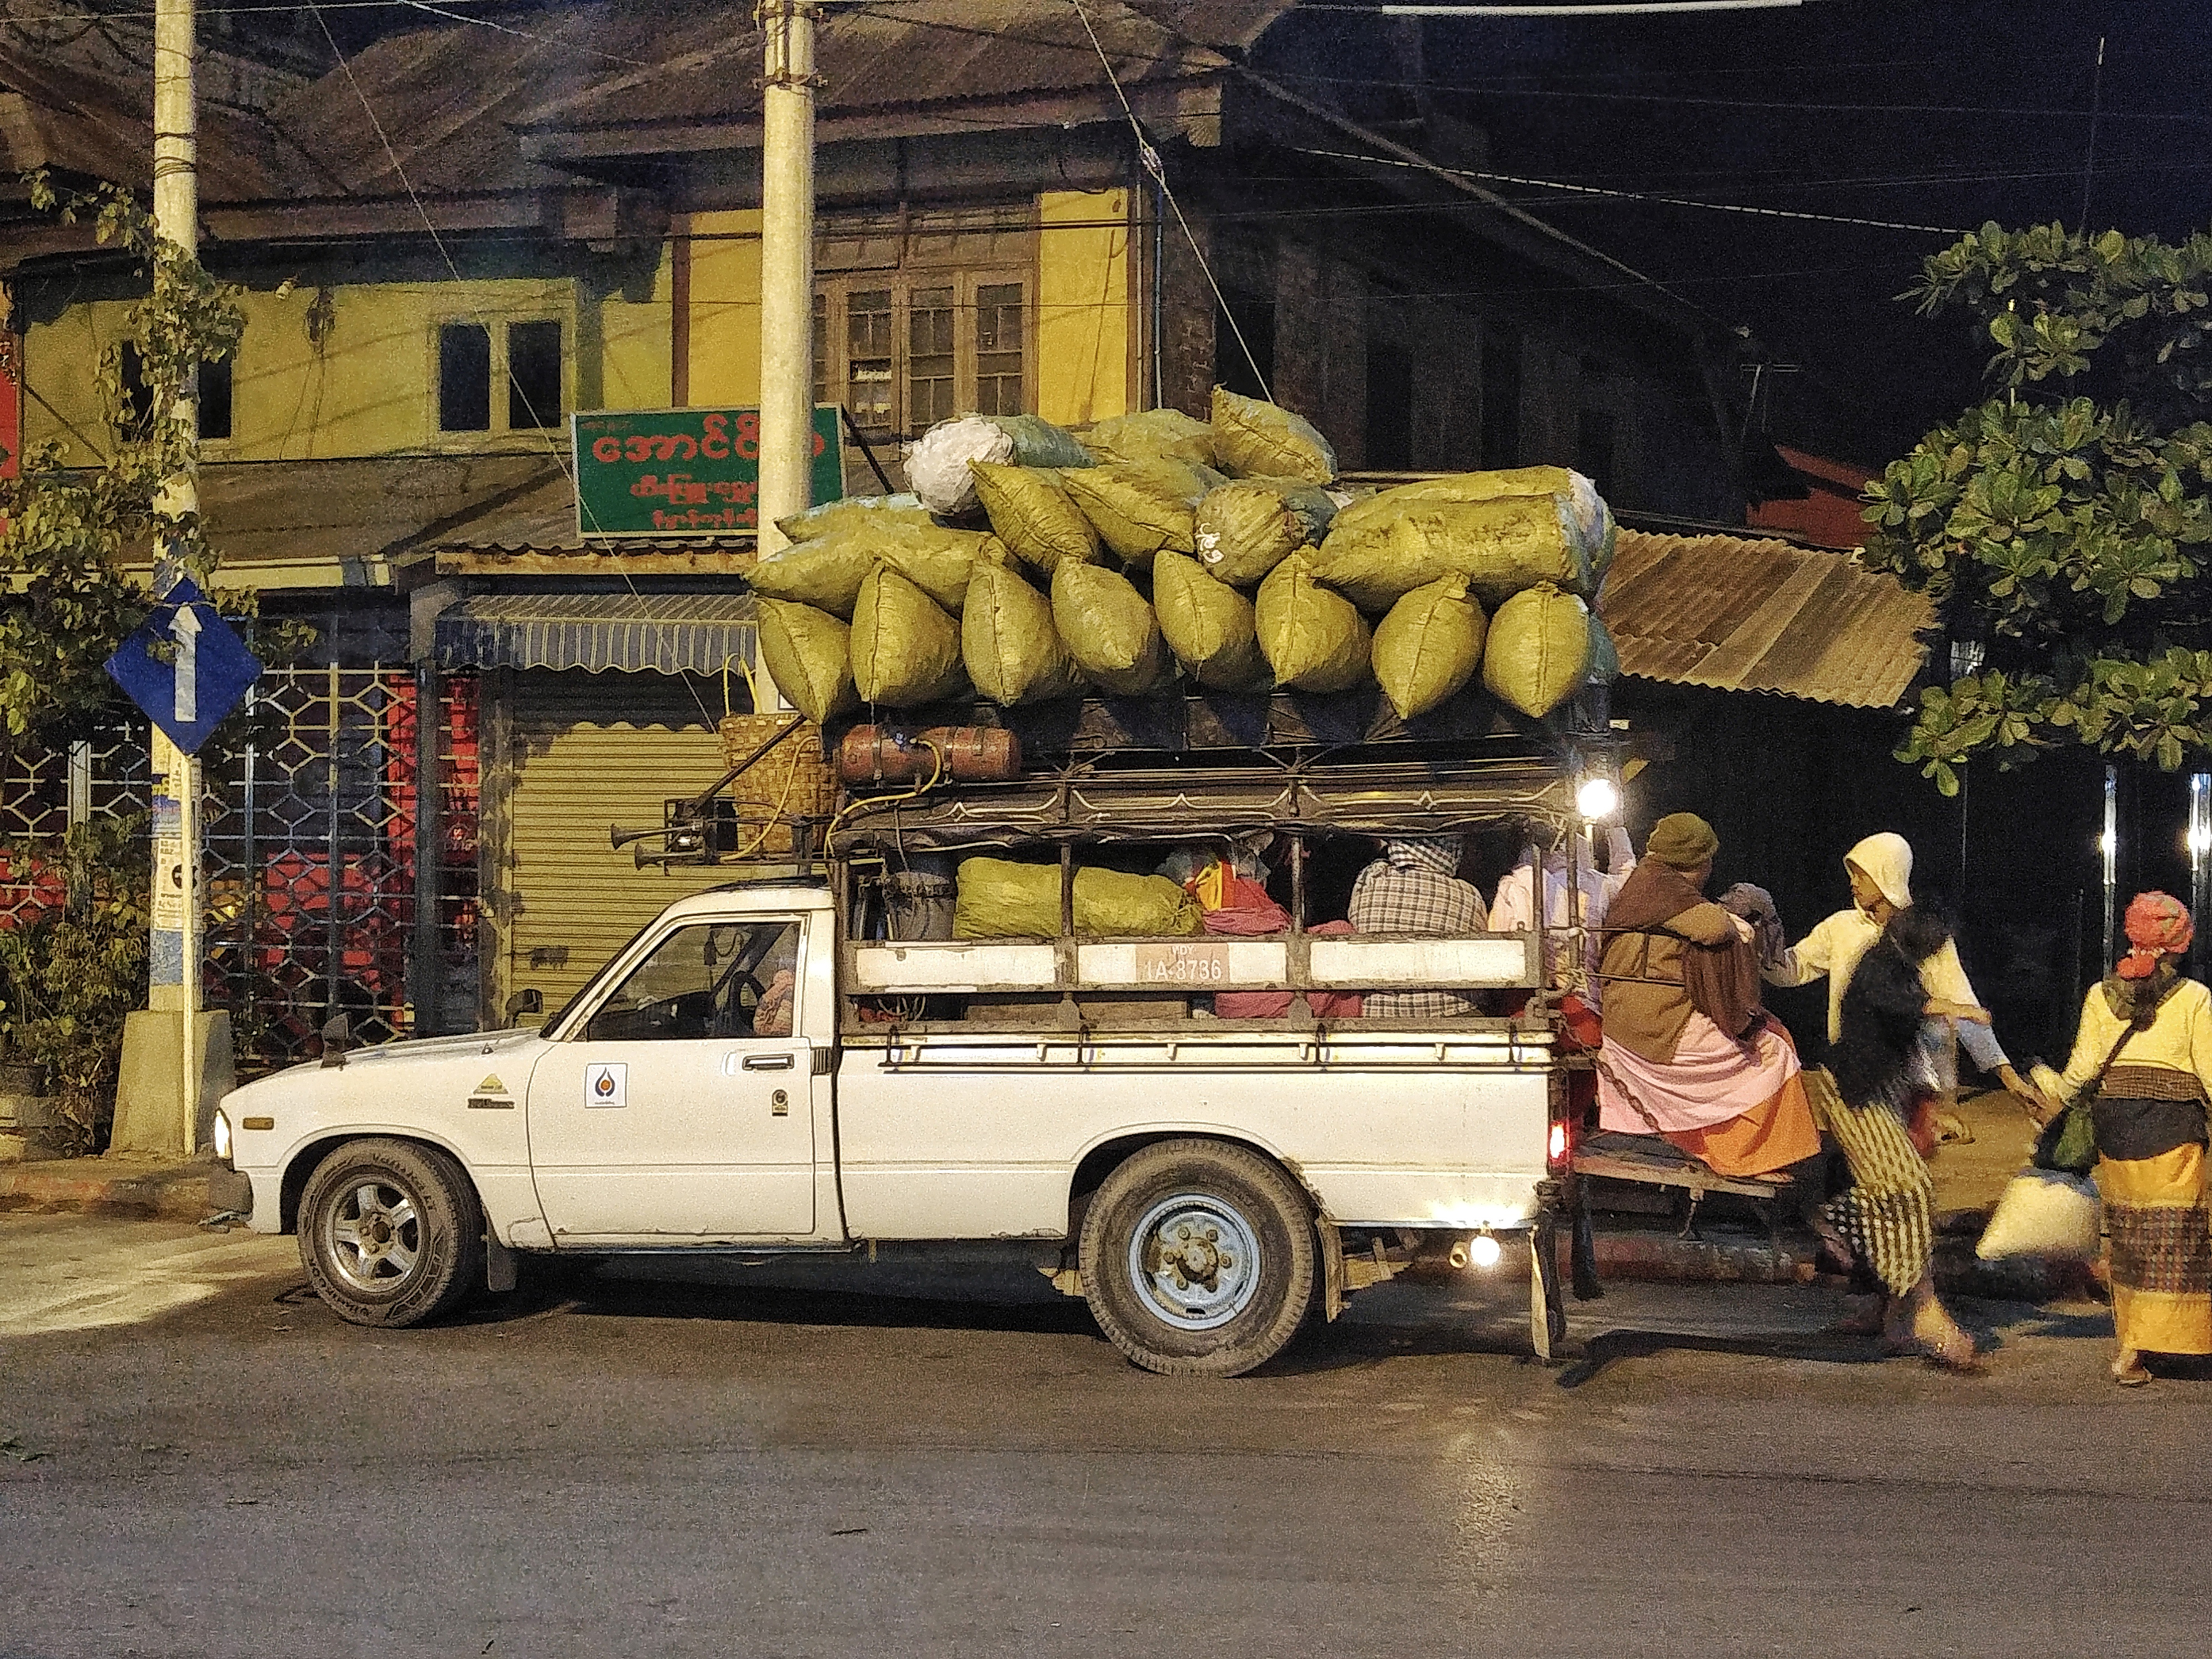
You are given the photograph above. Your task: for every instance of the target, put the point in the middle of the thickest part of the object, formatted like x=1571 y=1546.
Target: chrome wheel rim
x=1196 y=1262
x=373 y=1236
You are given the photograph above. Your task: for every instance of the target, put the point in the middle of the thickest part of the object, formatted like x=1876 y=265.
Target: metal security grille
x=310 y=836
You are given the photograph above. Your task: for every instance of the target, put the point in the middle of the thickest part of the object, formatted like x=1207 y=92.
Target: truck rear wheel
x=1198 y=1258
x=391 y=1233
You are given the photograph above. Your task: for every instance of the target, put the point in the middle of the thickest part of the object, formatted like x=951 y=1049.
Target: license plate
x=1183 y=964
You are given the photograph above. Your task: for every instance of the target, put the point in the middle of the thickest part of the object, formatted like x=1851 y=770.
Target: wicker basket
x=791 y=780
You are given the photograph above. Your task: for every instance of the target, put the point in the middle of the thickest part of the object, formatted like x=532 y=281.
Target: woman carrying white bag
x=2143 y=1067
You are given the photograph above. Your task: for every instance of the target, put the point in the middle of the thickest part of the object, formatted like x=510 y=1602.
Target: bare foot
x=2128 y=1370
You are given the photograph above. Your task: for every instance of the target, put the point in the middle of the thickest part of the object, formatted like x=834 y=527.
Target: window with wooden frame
x=925 y=313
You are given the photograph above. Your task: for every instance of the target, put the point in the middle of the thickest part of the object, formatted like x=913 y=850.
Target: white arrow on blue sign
x=210 y=671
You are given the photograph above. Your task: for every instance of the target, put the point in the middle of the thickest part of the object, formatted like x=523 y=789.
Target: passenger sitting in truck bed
x=1414 y=888
x=1688 y=1051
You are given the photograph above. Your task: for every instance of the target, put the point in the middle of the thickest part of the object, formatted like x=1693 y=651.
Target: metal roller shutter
x=589 y=751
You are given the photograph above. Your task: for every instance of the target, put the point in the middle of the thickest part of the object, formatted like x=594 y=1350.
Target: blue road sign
x=210 y=670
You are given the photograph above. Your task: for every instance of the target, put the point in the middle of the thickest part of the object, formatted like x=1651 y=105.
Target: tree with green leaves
x=67 y=597
x=2066 y=523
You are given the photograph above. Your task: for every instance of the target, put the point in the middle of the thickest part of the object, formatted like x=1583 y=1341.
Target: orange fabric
x=1769 y=1137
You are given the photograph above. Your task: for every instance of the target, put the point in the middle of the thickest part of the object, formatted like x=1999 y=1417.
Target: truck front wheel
x=391 y=1233
x=1198 y=1258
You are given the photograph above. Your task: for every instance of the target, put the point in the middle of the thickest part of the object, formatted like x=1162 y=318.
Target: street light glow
x=1598 y=798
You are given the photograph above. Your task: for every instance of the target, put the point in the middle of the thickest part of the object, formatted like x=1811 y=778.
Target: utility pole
x=787 y=396
x=158 y=1096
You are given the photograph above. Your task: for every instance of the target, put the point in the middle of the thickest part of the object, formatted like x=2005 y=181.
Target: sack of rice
x=1153 y=434
x=1246 y=527
x=941 y=562
x=1255 y=439
x=825 y=572
x=1110 y=630
x=1034 y=515
x=1313 y=639
x=999 y=898
x=1208 y=624
x=872 y=511
x=808 y=653
x=1538 y=649
x=1139 y=509
x=1429 y=645
x=936 y=465
x=906 y=650
x=1007 y=640
x=1503 y=531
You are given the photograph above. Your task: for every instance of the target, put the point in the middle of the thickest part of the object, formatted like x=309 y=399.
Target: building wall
x=1087 y=342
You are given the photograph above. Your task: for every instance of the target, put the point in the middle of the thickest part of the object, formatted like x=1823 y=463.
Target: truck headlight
x=221 y=1138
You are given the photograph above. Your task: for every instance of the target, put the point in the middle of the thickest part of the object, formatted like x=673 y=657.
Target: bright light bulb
x=1483 y=1250
x=2105 y=843
x=1598 y=798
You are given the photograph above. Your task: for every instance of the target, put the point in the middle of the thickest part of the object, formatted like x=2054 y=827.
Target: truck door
x=680 y=1111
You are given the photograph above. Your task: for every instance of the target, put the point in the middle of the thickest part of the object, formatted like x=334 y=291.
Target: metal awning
x=599 y=633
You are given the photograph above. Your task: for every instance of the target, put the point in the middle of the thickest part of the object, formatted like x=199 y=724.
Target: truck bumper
x=229 y=1190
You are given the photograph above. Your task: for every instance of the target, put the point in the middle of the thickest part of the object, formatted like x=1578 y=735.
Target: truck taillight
x=1558 y=1148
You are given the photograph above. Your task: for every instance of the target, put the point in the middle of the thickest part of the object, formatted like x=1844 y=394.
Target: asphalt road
x=197 y=1459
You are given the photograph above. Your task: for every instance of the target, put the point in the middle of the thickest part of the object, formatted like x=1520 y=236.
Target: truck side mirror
x=532 y=1001
x=337 y=1037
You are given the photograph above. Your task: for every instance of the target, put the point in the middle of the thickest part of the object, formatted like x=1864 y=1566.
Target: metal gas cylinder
x=885 y=754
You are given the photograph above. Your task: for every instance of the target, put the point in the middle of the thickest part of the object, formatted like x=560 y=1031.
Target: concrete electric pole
x=787 y=424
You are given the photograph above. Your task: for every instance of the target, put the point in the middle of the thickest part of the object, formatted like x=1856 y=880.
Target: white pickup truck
x=755 y=1074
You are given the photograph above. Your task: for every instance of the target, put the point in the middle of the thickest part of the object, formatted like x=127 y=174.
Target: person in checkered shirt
x=1414 y=888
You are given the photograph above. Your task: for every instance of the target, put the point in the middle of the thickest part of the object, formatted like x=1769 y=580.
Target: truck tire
x=1198 y=1258
x=391 y=1233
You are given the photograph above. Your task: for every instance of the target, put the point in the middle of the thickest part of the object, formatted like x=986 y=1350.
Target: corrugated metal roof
x=598 y=632
x=1745 y=614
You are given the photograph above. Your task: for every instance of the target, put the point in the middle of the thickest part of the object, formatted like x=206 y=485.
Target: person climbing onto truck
x=1688 y=1053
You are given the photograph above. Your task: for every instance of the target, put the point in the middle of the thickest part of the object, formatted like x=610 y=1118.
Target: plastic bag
x=2043 y=1212
x=1313 y=639
x=1604 y=658
x=1153 y=434
x=1538 y=650
x=1246 y=527
x=1141 y=508
x=941 y=563
x=871 y=512
x=1001 y=899
x=1007 y=640
x=808 y=653
x=1110 y=630
x=1036 y=517
x=1038 y=442
x=937 y=464
x=825 y=572
x=1208 y=625
x=906 y=650
x=1255 y=439
x=1429 y=645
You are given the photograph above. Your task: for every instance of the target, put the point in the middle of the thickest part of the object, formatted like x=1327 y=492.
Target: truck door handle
x=768 y=1062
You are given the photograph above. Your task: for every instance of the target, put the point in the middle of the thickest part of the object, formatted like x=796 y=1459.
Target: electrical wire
x=1638 y=196
x=1150 y=159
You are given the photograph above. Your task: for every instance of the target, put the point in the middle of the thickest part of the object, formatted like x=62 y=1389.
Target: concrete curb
x=138 y=1188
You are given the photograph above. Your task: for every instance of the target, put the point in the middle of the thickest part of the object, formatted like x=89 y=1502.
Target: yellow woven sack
x=1208 y=624
x=1007 y=640
x=1313 y=639
x=940 y=562
x=825 y=572
x=1253 y=439
x=1429 y=645
x=1139 y=507
x=1246 y=527
x=856 y=512
x=999 y=898
x=1153 y=434
x=1538 y=650
x=906 y=650
x=1109 y=631
x=808 y=653
x=1029 y=509
x=1501 y=546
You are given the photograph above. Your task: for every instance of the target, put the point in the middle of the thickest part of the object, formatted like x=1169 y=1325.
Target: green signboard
x=684 y=471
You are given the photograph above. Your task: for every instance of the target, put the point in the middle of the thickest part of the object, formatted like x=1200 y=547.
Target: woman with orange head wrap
x=2149 y=1031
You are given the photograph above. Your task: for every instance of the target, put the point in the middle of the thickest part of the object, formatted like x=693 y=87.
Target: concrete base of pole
x=148 y=1110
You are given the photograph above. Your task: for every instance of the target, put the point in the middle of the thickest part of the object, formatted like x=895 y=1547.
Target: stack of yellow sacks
x=1214 y=552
